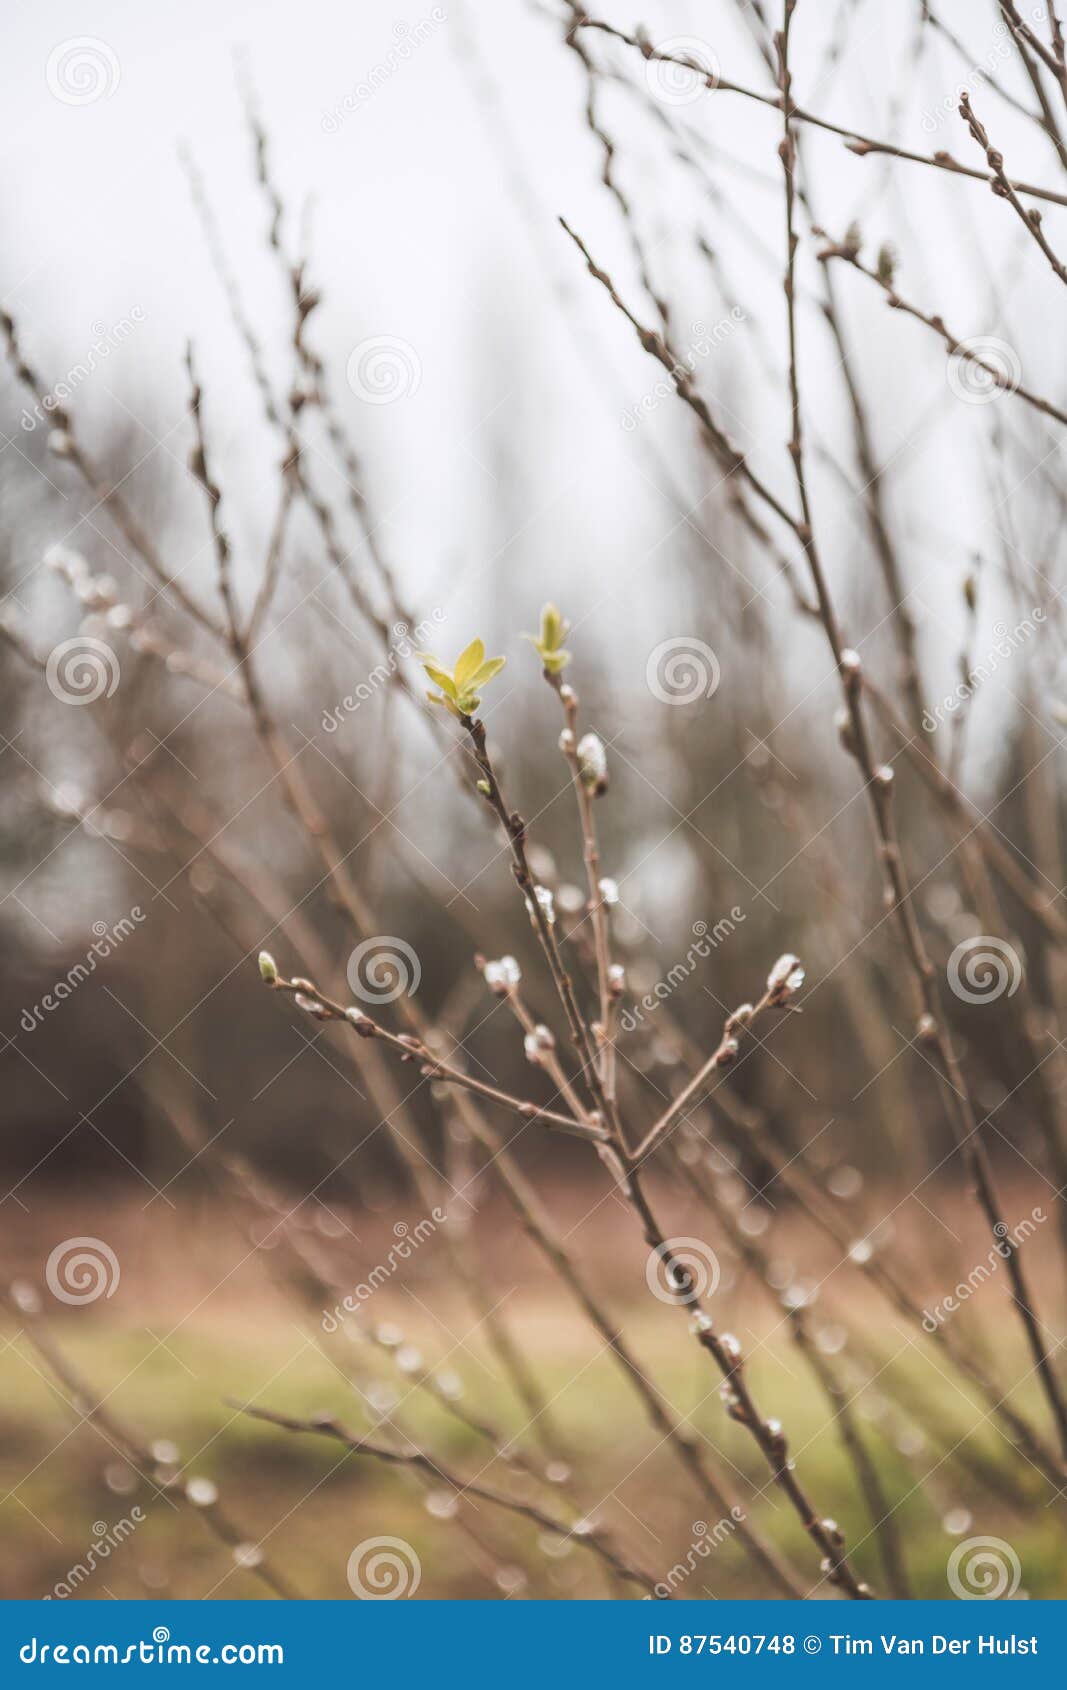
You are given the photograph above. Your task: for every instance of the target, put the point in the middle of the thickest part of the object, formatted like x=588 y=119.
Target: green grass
x=310 y=1504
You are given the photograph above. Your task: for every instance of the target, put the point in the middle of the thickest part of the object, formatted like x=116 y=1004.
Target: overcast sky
x=430 y=185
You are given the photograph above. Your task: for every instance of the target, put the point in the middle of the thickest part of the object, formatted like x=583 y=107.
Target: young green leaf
x=460 y=687
x=468 y=663
x=491 y=667
x=548 y=644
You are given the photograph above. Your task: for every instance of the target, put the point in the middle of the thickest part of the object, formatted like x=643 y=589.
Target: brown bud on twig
x=362 y=1023
x=776 y=1437
x=843 y=724
x=851 y=668
x=593 y=764
x=741 y=1017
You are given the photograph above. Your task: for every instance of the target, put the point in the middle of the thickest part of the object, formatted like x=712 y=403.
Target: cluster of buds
x=545 y=902
x=733 y=1405
x=106 y=614
x=785 y=979
x=306 y=1000
x=593 y=764
x=538 y=1044
x=98 y=593
x=731 y=1349
x=501 y=975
